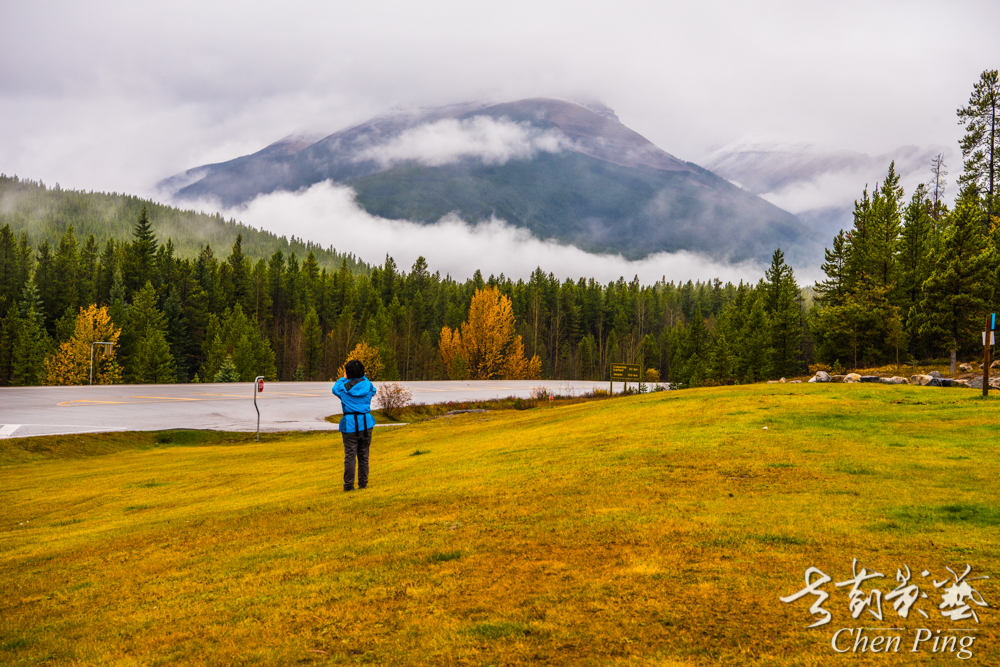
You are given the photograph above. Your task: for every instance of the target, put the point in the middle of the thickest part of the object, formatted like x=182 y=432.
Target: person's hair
x=354 y=369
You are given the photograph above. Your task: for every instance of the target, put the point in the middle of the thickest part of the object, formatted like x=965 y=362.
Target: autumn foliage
x=71 y=362
x=487 y=348
x=369 y=358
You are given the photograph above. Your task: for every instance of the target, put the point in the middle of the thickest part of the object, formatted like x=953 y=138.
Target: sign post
x=258 y=386
x=991 y=324
x=624 y=373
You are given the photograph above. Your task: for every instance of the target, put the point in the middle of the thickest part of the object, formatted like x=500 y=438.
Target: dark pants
x=356 y=445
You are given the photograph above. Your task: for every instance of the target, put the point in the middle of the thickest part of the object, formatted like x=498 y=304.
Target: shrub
x=539 y=393
x=816 y=368
x=392 y=397
x=652 y=375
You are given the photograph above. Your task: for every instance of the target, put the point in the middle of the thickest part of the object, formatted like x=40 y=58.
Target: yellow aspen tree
x=369 y=358
x=452 y=354
x=70 y=364
x=517 y=366
x=491 y=347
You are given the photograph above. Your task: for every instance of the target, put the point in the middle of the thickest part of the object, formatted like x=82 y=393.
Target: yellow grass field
x=649 y=530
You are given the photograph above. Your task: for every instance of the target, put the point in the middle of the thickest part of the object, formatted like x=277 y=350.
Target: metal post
x=990 y=320
x=258 y=386
x=99 y=342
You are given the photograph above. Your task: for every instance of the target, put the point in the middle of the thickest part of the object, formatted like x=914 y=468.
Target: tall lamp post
x=106 y=351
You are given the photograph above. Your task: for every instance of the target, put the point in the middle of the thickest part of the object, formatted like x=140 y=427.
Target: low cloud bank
x=446 y=141
x=327 y=214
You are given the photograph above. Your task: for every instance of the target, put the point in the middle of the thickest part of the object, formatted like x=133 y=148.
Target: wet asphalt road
x=284 y=406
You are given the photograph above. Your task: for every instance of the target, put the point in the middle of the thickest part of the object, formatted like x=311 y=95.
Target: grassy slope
x=656 y=529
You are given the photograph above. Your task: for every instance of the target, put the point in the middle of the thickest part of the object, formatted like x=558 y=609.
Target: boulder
x=795 y=382
x=782 y=380
x=772 y=382
x=948 y=382
x=935 y=374
x=869 y=378
x=977 y=383
x=852 y=377
x=995 y=364
x=893 y=380
x=821 y=376
x=925 y=381
x=965 y=368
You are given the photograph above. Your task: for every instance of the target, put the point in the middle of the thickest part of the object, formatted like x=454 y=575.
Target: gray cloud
x=102 y=95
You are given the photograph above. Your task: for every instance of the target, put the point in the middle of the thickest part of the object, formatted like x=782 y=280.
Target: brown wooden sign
x=625 y=372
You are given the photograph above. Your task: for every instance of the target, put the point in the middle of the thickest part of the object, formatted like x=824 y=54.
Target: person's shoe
x=348 y=488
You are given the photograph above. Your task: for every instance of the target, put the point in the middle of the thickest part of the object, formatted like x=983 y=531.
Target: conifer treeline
x=287 y=318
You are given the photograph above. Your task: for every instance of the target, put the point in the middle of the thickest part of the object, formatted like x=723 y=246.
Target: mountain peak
x=566 y=171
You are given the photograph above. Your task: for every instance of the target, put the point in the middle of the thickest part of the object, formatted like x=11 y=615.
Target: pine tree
x=239 y=277
x=312 y=336
x=66 y=265
x=47 y=282
x=10 y=280
x=695 y=351
x=956 y=293
x=9 y=327
x=149 y=359
x=785 y=316
x=885 y=226
x=31 y=341
x=981 y=143
x=88 y=272
x=754 y=349
x=833 y=290
x=914 y=259
x=177 y=334
x=141 y=267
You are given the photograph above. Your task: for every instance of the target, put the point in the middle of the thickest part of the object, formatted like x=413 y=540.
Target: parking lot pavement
x=284 y=406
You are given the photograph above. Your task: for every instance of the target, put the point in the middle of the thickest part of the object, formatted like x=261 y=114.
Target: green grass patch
x=642 y=530
x=953 y=513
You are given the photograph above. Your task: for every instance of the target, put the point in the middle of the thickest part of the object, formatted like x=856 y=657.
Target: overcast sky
x=115 y=96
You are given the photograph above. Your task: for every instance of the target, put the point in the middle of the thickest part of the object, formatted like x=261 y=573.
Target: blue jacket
x=355 y=398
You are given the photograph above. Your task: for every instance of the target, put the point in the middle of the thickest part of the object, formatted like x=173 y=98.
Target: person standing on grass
x=355 y=393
